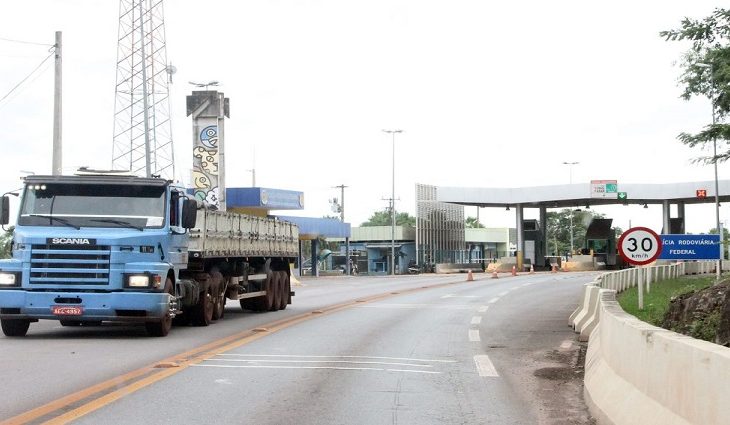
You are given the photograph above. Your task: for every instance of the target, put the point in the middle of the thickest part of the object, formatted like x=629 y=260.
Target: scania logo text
x=70 y=241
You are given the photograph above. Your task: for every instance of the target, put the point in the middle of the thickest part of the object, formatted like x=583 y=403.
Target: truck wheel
x=15 y=327
x=162 y=327
x=219 y=294
x=203 y=312
x=283 y=290
x=267 y=301
x=274 y=285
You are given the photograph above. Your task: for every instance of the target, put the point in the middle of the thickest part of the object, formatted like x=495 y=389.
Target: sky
x=488 y=94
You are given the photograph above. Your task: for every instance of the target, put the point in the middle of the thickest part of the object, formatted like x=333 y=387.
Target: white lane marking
x=501 y=294
x=474 y=335
x=566 y=344
x=414 y=306
x=315 y=367
x=338 y=357
x=476 y=320
x=459 y=296
x=483 y=309
x=485 y=366
x=316 y=361
x=493 y=300
x=225 y=381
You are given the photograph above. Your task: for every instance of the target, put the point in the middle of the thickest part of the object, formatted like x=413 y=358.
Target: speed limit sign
x=639 y=245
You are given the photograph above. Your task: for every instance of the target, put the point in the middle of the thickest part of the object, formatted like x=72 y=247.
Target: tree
x=472 y=223
x=6 y=240
x=383 y=218
x=725 y=240
x=706 y=72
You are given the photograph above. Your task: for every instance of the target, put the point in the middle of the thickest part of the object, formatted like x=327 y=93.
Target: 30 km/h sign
x=639 y=245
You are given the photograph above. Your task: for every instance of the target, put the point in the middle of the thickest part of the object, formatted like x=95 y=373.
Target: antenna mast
x=142 y=126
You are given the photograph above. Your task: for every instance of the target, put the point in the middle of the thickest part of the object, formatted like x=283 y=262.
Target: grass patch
x=656 y=302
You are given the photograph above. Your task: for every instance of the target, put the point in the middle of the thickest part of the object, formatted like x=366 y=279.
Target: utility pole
x=57 y=109
x=392 y=207
x=342 y=201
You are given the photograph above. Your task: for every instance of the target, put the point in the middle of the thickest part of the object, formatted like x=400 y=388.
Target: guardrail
x=637 y=373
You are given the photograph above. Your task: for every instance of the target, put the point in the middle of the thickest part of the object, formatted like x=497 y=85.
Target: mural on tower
x=205 y=165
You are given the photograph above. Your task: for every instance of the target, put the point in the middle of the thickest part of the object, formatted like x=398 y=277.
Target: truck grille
x=69 y=264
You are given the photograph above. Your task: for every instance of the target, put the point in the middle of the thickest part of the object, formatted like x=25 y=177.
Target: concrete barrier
x=582 y=306
x=637 y=373
x=591 y=302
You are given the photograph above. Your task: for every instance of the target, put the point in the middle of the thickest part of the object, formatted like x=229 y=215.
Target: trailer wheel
x=219 y=294
x=162 y=327
x=274 y=285
x=266 y=302
x=203 y=312
x=15 y=327
x=283 y=290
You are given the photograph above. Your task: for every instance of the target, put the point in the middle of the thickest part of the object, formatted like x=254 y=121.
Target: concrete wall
x=636 y=373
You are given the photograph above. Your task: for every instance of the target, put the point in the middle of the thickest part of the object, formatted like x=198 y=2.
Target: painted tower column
x=208 y=110
x=680 y=214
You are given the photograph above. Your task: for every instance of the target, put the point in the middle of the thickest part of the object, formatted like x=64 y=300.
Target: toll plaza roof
x=578 y=194
x=312 y=228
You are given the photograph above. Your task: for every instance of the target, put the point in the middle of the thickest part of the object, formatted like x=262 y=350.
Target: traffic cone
x=555 y=268
x=469 y=276
x=514 y=270
x=532 y=269
x=494 y=274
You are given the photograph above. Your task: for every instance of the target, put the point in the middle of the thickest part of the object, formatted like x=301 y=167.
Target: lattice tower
x=142 y=127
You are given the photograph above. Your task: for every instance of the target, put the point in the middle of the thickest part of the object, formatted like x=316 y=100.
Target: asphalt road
x=432 y=350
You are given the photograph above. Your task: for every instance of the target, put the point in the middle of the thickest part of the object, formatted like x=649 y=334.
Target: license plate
x=67 y=310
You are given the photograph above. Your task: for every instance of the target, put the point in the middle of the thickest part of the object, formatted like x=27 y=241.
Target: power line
x=25 y=42
x=27 y=76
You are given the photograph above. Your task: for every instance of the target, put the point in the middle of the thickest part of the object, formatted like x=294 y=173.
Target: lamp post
x=392 y=206
x=718 y=270
x=570 y=167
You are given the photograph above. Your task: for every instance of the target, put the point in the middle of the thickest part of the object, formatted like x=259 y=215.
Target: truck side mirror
x=5 y=210
x=189 y=213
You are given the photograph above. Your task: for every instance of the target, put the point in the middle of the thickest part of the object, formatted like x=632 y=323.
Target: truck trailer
x=92 y=248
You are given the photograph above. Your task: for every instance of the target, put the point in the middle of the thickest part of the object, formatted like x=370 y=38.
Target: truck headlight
x=138 y=281
x=8 y=279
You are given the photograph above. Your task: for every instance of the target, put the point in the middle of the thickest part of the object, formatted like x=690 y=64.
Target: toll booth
x=534 y=243
x=601 y=242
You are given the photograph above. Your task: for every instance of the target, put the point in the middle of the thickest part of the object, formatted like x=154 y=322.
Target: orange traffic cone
x=469 y=276
x=494 y=274
x=532 y=269
x=514 y=270
x=555 y=268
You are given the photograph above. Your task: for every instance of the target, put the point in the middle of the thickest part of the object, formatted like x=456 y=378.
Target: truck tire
x=161 y=327
x=275 y=286
x=203 y=311
x=283 y=290
x=219 y=293
x=15 y=327
x=266 y=302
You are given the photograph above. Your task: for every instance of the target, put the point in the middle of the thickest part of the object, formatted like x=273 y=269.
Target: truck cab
x=95 y=248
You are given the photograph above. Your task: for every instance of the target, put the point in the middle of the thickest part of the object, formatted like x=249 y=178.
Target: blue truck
x=96 y=248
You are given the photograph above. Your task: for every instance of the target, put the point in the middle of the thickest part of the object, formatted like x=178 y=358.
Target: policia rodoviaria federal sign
x=641 y=245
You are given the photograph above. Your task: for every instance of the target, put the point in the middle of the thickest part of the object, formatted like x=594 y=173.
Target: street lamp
x=570 y=167
x=718 y=272
x=392 y=206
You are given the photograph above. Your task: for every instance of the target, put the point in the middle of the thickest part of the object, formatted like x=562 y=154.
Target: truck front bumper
x=111 y=306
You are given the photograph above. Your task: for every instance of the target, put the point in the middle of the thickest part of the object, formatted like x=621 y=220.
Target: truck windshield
x=93 y=206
